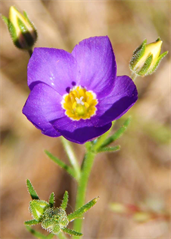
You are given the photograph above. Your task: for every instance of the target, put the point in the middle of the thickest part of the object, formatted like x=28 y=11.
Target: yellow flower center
x=79 y=103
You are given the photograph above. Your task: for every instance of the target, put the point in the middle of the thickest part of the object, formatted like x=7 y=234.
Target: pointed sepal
x=157 y=63
x=52 y=200
x=31 y=190
x=144 y=70
x=64 y=201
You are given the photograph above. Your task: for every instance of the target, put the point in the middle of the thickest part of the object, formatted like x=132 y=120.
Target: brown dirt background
x=140 y=172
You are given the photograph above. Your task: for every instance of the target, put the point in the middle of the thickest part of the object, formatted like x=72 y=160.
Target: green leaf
x=109 y=149
x=38 y=234
x=64 y=201
x=79 y=212
x=71 y=232
x=32 y=222
x=52 y=199
x=31 y=190
x=117 y=134
x=61 y=164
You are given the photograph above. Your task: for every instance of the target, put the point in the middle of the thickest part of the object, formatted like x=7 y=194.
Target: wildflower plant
x=79 y=97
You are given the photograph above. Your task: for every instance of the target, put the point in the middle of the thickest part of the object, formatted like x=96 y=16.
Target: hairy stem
x=82 y=185
x=71 y=156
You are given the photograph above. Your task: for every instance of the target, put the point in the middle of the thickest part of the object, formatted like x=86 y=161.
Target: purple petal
x=54 y=67
x=79 y=131
x=96 y=65
x=42 y=106
x=117 y=103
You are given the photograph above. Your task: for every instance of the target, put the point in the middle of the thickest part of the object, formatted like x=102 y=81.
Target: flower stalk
x=72 y=157
x=82 y=184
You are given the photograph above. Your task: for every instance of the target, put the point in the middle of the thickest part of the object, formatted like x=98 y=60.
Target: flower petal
x=79 y=131
x=42 y=106
x=52 y=66
x=117 y=103
x=96 y=65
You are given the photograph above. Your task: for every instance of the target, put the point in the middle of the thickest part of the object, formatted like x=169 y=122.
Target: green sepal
x=52 y=200
x=79 y=212
x=71 y=232
x=37 y=208
x=138 y=53
x=157 y=62
x=12 y=31
x=64 y=201
x=5 y=19
x=22 y=26
x=61 y=164
x=117 y=134
x=32 y=222
x=144 y=69
x=110 y=149
x=31 y=190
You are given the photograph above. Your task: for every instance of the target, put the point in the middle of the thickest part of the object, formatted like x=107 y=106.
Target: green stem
x=133 y=76
x=62 y=236
x=102 y=138
x=82 y=185
x=72 y=157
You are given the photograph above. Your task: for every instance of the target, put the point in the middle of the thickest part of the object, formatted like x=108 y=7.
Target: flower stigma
x=79 y=103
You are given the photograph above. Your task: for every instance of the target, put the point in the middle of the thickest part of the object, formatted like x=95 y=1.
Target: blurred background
x=139 y=174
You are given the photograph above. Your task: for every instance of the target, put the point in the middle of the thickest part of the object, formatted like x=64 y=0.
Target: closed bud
x=54 y=220
x=146 y=58
x=37 y=208
x=22 y=30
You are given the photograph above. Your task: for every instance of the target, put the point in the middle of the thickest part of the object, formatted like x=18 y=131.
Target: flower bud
x=54 y=219
x=146 y=58
x=37 y=208
x=22 y=31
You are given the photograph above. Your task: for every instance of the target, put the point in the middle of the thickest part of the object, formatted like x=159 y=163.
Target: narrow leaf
x=32 y=222
x=117 y=134
x=71 y=232
x=65 y=201
x=61 y=164
x=31 y=190
x=109 y=149
x=78 y=213
x=52 y=199
x=38 y=234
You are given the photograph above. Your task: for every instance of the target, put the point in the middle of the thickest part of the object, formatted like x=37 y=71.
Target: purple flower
x=77 y=95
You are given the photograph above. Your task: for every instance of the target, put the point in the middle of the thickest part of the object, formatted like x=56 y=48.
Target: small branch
x=71 y=156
